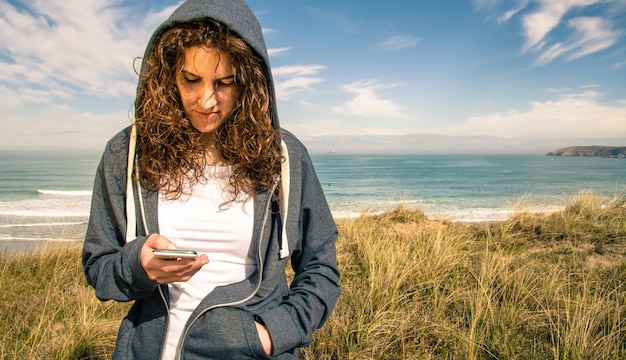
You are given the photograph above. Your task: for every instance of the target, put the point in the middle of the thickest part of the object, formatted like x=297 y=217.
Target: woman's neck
x=212 y=155
x=214 y=159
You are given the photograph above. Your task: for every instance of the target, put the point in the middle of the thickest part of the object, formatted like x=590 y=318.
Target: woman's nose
x=207 y=97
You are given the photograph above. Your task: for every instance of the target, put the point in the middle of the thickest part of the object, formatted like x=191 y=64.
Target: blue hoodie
x=298 y=228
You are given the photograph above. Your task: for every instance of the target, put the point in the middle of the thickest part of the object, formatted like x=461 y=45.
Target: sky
x=364 y=76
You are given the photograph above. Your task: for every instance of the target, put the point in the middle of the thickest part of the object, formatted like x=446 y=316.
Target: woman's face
x=206 y=87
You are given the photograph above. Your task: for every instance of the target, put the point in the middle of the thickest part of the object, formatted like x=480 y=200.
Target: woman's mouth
x=208 y=115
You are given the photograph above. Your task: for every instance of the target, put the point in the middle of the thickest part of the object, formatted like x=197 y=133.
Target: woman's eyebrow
x=187 y=72
x=227 y=77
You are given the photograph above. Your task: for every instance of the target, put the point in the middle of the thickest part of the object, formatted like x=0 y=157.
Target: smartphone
x=174 y=254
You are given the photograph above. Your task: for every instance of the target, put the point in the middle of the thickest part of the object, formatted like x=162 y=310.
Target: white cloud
x=587 y=35
x=591 y=34
x=293 y=79
x=572 y=115
x=552 y=29
x=278 y=51
x=84 y=45
x=297 y=70
x=509 y=14
x=312 y=128
x=539 y=24
x=398 y=42
x=267 y=31
x=59 y=127
x=286 y=89
x=574 y=118
x=15 y=98
x=334 y=127
x=367 y=102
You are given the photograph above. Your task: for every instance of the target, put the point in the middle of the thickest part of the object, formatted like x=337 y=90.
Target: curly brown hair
x=171 y=153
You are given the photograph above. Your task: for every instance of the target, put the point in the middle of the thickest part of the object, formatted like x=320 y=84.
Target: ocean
x=46 y=196
x=466 y=188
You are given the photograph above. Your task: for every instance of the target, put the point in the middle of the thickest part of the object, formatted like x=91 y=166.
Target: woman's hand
x=168 y=271
x=266 y=340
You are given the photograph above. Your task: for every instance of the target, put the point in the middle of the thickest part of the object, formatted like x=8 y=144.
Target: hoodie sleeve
x=315 y=288
x=111 y=265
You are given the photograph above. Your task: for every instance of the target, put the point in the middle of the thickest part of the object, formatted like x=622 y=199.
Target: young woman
x=206 y=167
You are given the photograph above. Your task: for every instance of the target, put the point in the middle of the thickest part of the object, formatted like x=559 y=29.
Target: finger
x=181 y=270
x=198 y=263
x=164 y=271
x=186 y=271
x=157 y=241
x=201 y=260
x=175 y=267
x=173 y=273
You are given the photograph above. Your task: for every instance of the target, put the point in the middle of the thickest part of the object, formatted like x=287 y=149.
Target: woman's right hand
x=168 y=271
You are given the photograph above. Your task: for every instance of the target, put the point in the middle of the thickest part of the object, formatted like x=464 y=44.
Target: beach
x=46 y=197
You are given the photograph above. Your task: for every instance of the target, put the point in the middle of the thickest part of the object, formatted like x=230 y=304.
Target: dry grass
x=49 y=312
x=532 y=287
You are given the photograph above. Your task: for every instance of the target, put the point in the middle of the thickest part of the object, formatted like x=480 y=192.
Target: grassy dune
x=535 y=286
x=49 y=312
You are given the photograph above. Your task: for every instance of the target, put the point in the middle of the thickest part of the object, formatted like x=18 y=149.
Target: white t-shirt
x=223 y=233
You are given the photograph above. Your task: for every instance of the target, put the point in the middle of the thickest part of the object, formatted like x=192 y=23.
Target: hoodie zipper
x=256 y=289
x=167 y=322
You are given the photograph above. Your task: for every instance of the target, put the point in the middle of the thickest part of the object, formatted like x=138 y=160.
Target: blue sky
x=443 y=76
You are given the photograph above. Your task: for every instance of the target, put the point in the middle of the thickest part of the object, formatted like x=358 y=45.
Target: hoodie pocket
x=224 y=333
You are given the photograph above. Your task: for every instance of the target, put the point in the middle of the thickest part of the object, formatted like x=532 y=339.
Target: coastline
x=17 y=245
x=42 y=205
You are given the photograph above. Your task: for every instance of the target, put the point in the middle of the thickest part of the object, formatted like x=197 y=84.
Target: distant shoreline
x=614 y=152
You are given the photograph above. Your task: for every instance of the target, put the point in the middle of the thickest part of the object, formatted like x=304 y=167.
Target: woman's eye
x=190 y=81
x=223 y=83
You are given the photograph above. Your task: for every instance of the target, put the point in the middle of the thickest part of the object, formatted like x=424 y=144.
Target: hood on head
x=237 y=16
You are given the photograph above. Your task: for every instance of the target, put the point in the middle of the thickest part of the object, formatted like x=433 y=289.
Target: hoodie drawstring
x=131 y=216
x=284 y=194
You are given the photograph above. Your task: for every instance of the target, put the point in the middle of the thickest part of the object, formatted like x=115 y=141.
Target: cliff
x=603 y=151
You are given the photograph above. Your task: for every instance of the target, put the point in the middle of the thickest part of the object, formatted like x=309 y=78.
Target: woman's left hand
x=266 y=340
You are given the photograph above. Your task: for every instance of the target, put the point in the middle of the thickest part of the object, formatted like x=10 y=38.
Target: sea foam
x=65 y=192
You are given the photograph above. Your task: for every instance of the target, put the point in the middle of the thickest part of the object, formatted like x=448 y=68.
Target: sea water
x=44 y=196
x=464 y=187
x=47 y=196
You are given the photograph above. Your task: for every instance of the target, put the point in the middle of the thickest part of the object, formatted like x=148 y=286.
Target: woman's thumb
x=157 y=241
